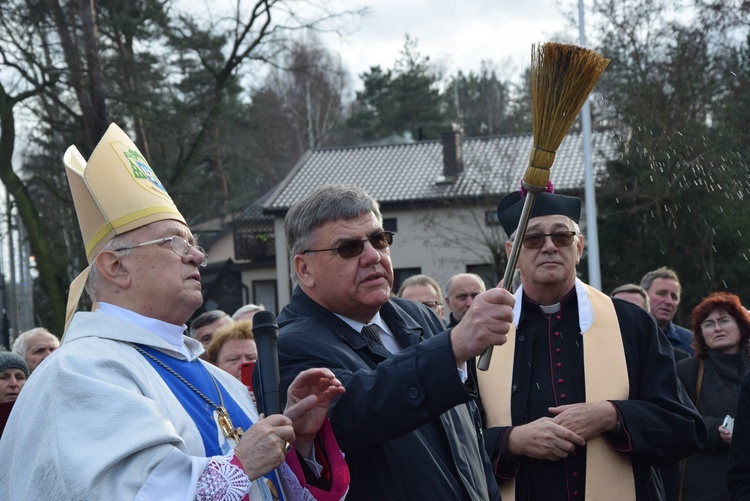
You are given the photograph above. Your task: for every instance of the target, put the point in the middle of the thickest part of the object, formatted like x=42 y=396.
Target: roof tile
x=409 y=172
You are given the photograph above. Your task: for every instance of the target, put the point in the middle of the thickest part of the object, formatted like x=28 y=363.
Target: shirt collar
x=357 y=326
x=386 y=335
x=172 y=334
x=585 y=310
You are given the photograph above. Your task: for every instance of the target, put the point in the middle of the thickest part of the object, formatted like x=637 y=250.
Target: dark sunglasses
x=353 y=248
x=559 y=238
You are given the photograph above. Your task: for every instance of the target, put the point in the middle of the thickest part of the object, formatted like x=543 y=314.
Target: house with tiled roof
x=242 y=260
x=438 y=196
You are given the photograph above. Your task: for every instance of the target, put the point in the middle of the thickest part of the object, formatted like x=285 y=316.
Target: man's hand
x=263 y=447
x=486 y=323
x=308 y=399
x=588 y=419
x=543 y=439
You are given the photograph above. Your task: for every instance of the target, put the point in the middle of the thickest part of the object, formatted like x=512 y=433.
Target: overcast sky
x=456 y=34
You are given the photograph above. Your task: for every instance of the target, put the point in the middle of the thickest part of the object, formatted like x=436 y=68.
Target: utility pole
x=25 y=292
x=4 y=322
x=592 y=232
x=11 y=290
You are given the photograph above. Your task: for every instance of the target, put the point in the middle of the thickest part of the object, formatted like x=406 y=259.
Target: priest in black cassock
x=583 y=401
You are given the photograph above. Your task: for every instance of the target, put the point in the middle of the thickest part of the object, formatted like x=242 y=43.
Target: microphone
x=266 y=334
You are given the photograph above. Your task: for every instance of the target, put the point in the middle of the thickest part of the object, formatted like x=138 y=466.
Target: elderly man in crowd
x=125 y=408
x=202 y=328
x=461 y=290
x=407 y=423
x=632 y=293
x=423 y=289
x=584 y=401
x=247 y=312
x=35 y=345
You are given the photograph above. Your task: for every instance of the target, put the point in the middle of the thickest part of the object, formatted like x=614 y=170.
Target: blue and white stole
x=204 y=415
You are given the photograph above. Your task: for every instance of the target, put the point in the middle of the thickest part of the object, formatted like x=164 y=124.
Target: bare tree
x=298 y=107
x=172 y=79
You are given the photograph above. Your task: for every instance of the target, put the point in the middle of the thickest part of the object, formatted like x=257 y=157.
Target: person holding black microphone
x=125 y=409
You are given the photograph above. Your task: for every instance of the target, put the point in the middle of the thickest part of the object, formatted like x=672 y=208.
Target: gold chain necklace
x=225 y=422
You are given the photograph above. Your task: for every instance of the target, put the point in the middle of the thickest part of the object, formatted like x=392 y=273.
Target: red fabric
x=321 y=459
x=335 y=464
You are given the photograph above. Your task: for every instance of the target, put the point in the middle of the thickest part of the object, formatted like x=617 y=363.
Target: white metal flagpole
x=592 y=234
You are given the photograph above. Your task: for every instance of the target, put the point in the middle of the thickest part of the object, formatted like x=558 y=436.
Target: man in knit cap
x=125 y=408
x=13 y=375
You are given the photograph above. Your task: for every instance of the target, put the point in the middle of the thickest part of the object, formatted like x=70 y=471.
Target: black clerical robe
x=659 y=424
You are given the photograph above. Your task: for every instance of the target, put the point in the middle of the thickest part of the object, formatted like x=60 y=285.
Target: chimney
x=453 y=162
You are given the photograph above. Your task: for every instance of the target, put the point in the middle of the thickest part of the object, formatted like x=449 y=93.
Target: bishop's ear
x=112 y=269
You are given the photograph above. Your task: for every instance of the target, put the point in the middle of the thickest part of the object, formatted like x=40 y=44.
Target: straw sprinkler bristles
x=562 y=77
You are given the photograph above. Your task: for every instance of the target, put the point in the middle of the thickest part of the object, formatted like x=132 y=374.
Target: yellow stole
x=608 y=473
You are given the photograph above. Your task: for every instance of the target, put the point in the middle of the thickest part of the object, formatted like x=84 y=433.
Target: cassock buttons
x=559 y=365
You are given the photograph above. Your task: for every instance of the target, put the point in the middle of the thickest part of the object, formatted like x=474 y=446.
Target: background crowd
x=592 y=394
x=712 y=357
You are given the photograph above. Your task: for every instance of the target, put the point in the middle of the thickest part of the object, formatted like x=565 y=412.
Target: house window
x=490 y=218
x=390 y=224
x=265 y=293
x=402 y=274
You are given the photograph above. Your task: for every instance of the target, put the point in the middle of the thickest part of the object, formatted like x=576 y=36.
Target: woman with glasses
x=721 y=330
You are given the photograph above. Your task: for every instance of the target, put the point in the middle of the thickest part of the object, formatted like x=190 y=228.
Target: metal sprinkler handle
x=510 y=268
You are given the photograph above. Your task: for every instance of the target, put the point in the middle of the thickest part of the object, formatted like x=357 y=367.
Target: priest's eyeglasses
x=559 y=238
x=179 y=246
x=353 y=248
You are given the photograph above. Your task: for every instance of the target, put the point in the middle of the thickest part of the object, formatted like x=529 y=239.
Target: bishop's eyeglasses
x=179 y=246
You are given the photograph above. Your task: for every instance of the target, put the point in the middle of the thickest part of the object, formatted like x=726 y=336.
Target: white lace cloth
x=222 y=480
x=226 y=481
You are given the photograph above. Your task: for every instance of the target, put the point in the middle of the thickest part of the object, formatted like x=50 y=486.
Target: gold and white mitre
x=116 y=191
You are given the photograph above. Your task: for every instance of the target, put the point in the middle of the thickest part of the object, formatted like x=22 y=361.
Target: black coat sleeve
x=738 y=471
x=660 y=422
x=386 y=397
